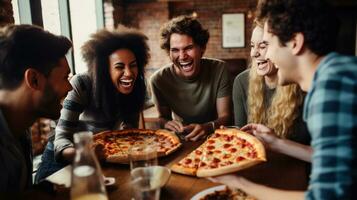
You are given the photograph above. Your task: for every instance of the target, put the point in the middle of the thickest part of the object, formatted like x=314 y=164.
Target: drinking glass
x=143 y=159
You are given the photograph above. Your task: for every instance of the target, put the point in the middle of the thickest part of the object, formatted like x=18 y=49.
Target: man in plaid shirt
x=301 y=36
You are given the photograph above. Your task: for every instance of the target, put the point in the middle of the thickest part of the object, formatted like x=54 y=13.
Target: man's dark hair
x=96 y=53
x=28 y=46
x=315 y=19
x=185 y=25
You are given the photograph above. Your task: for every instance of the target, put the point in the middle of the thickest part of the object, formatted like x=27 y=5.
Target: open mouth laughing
x=126 y=82
x=186 y=66
x=262 y=64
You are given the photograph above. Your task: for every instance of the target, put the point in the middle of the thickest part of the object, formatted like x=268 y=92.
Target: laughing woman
x=109 y=96
x=258 y=99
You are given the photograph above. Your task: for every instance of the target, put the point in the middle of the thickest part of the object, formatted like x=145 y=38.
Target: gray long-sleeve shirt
x=79 y=113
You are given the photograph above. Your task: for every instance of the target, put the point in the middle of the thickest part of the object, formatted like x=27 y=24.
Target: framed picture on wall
x=233 y=30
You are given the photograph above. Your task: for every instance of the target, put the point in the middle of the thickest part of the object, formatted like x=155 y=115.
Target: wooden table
x=280 y=171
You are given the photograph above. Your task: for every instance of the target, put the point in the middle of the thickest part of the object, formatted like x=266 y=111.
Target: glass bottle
x=87 y=179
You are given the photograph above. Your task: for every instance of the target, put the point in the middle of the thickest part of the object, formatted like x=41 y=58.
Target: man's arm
x=223 y=106
x=166 y=121
x=332 y=120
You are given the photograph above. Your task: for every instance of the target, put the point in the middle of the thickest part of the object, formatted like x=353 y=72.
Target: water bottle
x=87 y=179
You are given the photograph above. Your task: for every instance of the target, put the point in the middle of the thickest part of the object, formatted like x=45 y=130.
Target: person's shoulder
x=337 y=66
x=214 y=62
x=161 y=73
x=242 y=77
x=81 y=81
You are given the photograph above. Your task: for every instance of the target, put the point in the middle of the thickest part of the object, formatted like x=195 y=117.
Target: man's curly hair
x=313 y=18
x=184 y=25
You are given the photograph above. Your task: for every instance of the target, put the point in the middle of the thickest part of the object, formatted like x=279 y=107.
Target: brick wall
x=6 y=13
x=148 y=17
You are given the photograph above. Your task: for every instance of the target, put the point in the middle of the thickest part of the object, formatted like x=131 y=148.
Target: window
x=71 y=18
x=51 y=16
x=83 y=23
x=15 y=9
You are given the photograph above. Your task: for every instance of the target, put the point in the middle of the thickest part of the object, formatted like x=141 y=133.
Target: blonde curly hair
x=284 y=108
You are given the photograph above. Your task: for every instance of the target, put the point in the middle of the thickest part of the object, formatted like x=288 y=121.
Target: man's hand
x=174 y=125
x=263 y=133
x=195 y=131
x=68 y=154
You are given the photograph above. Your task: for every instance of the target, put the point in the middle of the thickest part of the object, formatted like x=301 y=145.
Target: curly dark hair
x=28 y=46
x=183 y=25
x=96 y=54
x=315 y=19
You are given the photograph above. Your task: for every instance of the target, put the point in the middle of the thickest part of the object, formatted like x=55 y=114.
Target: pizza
x=227 y=194
x=115 y=145
x=226 y=151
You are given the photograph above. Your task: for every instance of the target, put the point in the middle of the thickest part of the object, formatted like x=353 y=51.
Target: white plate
x=210 y=190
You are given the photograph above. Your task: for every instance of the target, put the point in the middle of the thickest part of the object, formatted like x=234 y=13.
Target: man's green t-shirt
x=194 y=101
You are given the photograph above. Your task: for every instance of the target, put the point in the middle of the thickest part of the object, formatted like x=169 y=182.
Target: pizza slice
x=230 y=150
x=189 y=164
x=167 y=142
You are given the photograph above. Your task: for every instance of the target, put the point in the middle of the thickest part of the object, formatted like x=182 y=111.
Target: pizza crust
x=117 y=158
x=183 y=170
x=203 y=172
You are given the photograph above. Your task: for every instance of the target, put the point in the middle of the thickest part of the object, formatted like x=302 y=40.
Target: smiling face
x=282 y=58
x=257 y=53
x=185 y=55
x=123 y=70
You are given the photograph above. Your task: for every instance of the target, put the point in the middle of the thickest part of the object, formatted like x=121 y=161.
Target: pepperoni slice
x=239 y=159
x=226 y=163
x=188 y=161
x=228 y=138
x=211 y=141
x=227 y=156
x=202 y=164
x=198 y=152
x=227 y=145
x=233 y=150
x=216 y=160
x=210 y=147
x=218 y=151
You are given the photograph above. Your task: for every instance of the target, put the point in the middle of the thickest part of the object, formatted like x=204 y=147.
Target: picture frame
x=233 y=30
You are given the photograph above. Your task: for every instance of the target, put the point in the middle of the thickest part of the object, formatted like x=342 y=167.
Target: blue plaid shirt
x=330 y=112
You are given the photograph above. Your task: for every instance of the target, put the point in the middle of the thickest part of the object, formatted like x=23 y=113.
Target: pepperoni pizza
x=116 y=144
x=226 y=151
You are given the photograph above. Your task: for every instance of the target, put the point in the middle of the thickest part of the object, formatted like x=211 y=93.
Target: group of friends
x=299 y=97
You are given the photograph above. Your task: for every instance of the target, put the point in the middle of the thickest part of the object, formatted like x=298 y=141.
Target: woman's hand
x=263 y=133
